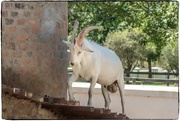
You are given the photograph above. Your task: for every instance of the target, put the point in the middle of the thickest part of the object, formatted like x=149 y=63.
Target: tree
x=109 y=15
x=127 y=46
x=148 y=54
x=169 y=57
x=158 y=20
x=152 y=17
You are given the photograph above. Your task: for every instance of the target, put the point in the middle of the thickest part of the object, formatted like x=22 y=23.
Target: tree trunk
x=149 y=68
x=128 y=74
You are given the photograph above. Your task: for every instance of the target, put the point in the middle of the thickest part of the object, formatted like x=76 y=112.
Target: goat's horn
x=84 y=32
x=76 y=23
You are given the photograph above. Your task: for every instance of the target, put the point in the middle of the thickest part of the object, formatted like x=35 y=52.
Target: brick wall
x=33 y=54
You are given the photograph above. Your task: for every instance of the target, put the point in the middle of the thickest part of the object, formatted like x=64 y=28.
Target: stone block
x=4 y=13
x=14 y=14
x=9 y=21
x=20 y=37
x=21 y=21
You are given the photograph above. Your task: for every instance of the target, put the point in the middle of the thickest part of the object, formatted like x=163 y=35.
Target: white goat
x=96 y=64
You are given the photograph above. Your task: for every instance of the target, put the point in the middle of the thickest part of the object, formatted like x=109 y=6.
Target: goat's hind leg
x=120 y=84
x=106 y=96
x=69 y=85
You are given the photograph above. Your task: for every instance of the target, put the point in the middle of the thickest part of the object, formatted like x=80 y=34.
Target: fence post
x=168 y=78
x=134 y=81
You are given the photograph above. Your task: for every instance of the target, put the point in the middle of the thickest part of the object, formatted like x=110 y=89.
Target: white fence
x=141 y=102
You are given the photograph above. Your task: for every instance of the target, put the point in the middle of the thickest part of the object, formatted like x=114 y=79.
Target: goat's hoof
x=106 y=107
x=72 y=99
x=124 y=114
x=89 y=105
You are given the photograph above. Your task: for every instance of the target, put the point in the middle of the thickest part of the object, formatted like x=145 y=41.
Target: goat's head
x=76 y=45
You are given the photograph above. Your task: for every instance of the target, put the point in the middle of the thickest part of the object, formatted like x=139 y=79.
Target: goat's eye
x=79 y=53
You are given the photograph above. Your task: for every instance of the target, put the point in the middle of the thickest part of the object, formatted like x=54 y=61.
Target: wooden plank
x=90 y=115
x=109 y=116
x=151 y=80
x=53 y=100
x=120 y=116
x=81 y=112
x=37 y=99
x=72 y=103
x=106 y=111
x=29 y=95
x=98 y=110
x=17 y=92
x=64 y=107
x=61 y=101
x=153 y=73
x=23 y=95
x=10 y=90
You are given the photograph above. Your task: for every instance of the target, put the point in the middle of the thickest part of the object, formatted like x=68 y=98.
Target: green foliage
x=127 y=46
x=148 y=51
x=158 y=20
x=105 y=14
x=161 y=21
x=170 y=57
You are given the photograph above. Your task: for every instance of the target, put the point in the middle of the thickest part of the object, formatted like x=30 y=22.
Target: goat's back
x=109 y=64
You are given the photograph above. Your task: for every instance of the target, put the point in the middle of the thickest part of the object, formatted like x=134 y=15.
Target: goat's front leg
x=91 y=90
x=69 y=85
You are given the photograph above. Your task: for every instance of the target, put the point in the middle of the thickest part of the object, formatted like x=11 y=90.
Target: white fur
x=98 y=65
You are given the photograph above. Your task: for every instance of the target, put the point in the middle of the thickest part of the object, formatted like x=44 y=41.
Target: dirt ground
x=13 y=108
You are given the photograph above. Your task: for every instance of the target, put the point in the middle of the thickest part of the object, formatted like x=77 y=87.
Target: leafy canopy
x=127 y=46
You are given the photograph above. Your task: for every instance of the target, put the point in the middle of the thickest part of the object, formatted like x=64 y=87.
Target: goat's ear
x=86 y=48
x=67 y=43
